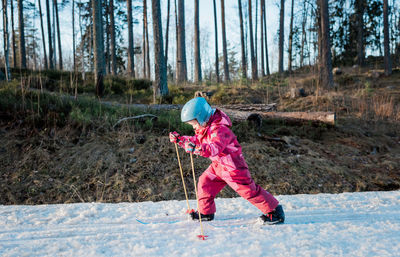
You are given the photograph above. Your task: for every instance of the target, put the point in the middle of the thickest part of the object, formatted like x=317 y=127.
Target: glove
x=191 y=147
x=174 y=137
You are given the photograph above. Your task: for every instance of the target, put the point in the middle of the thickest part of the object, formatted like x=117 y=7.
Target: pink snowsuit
x=228 y=166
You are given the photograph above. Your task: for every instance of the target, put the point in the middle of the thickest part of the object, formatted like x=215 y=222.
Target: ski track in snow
x=348 y=224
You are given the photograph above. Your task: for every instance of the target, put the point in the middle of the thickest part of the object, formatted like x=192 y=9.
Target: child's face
x=194 y=123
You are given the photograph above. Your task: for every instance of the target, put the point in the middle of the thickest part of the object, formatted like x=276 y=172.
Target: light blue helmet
x=198 y=109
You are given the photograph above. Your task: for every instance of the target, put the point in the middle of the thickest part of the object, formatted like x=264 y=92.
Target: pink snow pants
x=217 y=176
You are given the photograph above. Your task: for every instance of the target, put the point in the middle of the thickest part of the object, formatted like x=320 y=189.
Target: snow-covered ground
x=349 y=224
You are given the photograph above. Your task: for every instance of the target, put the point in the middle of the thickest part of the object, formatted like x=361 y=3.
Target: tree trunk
x=73 y=37
x=254 y=72
x=243 y=53
x=160 y=69
x=112 y=40
x=386 y=42
x=54 y=36
x=360 y=31
x=43 y=36
x=224 y=47
x=81 y=45
x=262 y=37
x=266 y=39
x=22 y=51
x=107 y=54
x=325 y=63
x=60 y=59
x=13 y=35
x=256 y=36
x=303 y=33
x=51 y=53
x=197 y=60
x=131 y=61
x=281 y=35
x=290 y=58
x=167 y=32
x=6 y=42
x=98 y=47
x=176 y=40
x=144 y=38
x=146 y=50
x=216 y=42
x=181 y=69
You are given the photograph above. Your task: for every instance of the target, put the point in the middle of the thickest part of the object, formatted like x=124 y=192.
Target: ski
x=234 y=223
x=229 y=221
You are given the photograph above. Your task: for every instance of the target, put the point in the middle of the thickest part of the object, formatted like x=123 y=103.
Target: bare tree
x=386 y=43
x=43 y=36
x=254 y=71
x=112 y=40
x=60 y=60
x=290 y=57
x=325 y=77
x=98 y=48
x=6 y=42
x=22 y=51
x=181 y=68
x=216 y=42
x=51 y=53
x=243 y=53
x=197 y=59
x=131 y=60
x=160 y=69
x=281 y=35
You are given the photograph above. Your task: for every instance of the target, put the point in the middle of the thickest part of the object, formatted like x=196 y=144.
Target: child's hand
x=174 y=137
x=191 y=147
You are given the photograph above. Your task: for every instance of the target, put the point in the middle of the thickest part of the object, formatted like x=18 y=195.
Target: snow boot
x=204 y=217
x=276 y=216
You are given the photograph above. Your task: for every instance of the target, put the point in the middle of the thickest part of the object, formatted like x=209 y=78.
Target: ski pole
x=183 y=180
x=202 y=236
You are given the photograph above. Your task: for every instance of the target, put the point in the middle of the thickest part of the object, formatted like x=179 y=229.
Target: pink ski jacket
x=218 y=142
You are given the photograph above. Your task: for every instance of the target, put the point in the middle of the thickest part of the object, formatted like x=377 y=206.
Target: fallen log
x=294 y=118
x=250 y=107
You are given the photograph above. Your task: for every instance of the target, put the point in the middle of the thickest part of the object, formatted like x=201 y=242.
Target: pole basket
x=202 y=237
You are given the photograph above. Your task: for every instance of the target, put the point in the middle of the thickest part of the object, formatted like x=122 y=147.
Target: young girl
x=213 y=139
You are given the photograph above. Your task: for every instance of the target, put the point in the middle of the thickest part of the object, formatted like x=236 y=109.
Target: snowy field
x=349 y=224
